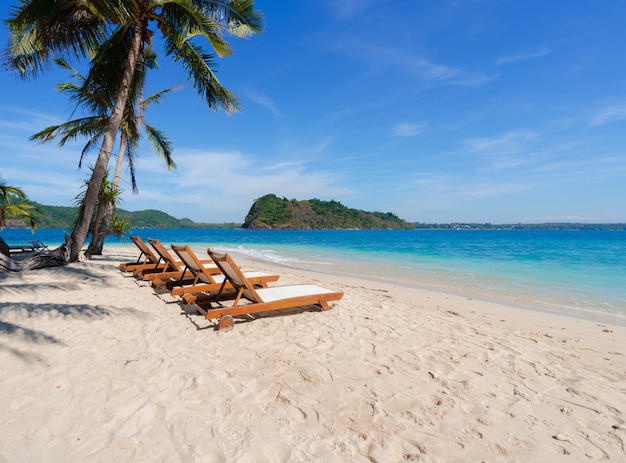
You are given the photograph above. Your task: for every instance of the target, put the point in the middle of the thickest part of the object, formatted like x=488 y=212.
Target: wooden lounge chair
x=262 y=299
x=206 y=285
x=175 y=273
x=146 y=258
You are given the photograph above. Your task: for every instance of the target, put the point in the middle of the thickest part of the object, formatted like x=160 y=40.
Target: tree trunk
x=55 y=258
x=97 y=242
x=95 y=231
x=4 y=248
x=91 y=196
x=96 y=245
x=117 y=175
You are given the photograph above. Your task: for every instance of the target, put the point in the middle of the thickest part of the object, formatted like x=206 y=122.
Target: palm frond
x=199 y=66
x=239 y=16
x=41 y=29
x=161 y=145
x=71 y=130
x=130 y=160
x=156 y=97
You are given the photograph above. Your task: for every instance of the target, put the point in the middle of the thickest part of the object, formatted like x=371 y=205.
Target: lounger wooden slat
x=206 y=285
x=176 y=272
x=146 y=260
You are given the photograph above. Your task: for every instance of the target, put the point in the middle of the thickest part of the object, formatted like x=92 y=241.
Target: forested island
x=273 y=213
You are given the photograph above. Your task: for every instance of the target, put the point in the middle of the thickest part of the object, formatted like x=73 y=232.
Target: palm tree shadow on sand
x=12 y=331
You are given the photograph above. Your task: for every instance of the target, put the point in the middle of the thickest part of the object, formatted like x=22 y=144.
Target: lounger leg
x=225 y=323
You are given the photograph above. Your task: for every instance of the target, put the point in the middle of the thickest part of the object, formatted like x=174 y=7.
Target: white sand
x=96 y=367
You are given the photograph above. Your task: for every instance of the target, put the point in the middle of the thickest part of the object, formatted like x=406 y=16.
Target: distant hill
x=271 y=212
x=64 y=217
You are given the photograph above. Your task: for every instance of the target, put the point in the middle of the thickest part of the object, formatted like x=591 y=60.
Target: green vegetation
x=150 y=219
x=14 y=204
x=64 y=217
x=272 y=212
x=279 y=213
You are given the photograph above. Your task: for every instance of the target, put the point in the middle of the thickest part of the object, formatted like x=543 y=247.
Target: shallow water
x=574 y=271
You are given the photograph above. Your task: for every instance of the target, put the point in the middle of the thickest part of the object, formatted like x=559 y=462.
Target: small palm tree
x=107 y=196
x=13 y=206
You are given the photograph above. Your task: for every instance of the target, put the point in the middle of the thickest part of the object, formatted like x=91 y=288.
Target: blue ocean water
x=570 y=271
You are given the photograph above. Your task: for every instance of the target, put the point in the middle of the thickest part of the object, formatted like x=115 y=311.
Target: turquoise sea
x=577 y=272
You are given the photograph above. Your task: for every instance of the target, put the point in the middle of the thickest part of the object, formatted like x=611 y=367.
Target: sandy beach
x=97 y=367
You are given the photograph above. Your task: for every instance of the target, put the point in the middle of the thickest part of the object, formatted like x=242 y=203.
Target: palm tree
x=114 y=33
x=108 y=198
x=13 y=206
x=98 y=101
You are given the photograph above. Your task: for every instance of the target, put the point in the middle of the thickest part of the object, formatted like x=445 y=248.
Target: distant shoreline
x=418 y=226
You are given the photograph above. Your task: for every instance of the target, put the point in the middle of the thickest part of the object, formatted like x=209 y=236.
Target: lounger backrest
x=38 y=244
x=164 y=254
x=145 y=250
x=193 y=264
x=234 y=274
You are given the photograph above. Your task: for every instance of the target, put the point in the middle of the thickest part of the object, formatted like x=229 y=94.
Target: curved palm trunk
x=120 y=161
x=86 y=211
x=95 y=231
x=98 y=237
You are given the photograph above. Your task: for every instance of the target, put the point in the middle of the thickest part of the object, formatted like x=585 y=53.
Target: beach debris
x=563 y=438
x=56 y=258
x=522 y=394
x=619 y=426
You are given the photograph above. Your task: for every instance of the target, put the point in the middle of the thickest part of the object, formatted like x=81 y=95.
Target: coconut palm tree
x=98 y=101
x=113 y=33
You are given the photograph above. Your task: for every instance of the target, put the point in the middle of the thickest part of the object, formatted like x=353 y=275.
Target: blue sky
x=438 y=111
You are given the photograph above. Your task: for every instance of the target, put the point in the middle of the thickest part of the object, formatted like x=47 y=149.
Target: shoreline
x=595 y=293
x=98 y=367
x=529 y=304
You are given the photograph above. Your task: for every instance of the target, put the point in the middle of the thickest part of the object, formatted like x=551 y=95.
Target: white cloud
x=408 y=129
x=414 y=64
x=493 y=189
x=347 y=9
x=608 y=115
x=263 y=100
x=510 y=142
x=544 y=51
x=224 y=184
